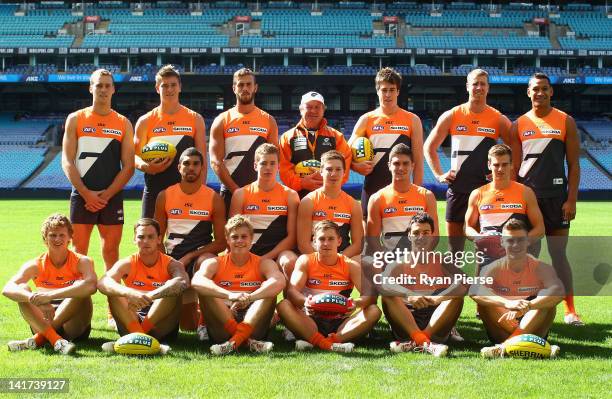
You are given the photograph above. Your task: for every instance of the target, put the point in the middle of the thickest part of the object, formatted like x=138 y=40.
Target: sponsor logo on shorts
x=159 y=129
x=89 y=129
x=400 y=128
x=528 y=133
x=486 y=130
x=232 y=130
x=252 y=207
x=377 y=128
x=182 y=129
x=487 y=207
x=277 y=208
x=338 y=283
x=319 y=214
x=114 y=132
x=554 y=132
x=414 y=209
x=225 y=283
x=461 y=128
x=176 y=211
x=314 y=281
x=340 y=215
x=258 y=129
x=198 y=212
x=250 y=283
x=511 y=206
x=390 y=209
x=558 y=180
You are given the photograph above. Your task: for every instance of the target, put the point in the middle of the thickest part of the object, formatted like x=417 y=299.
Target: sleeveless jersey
x=324 y=279
x=243 y=133
x=179 y=129
x=472 y=135
x=99 y=138
x=396 y=210
x=190 y=223
x=384 y=132
x=338 y=210
x=245 y=278
x=511 y=285
x=543 y=142
x=496 y=207
x=52 y=277
x=421 y=286
x=147 y=278
x=268 y=212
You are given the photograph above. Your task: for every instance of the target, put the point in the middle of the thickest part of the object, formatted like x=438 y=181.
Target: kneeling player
x=422 y=318
x=326 y=271
x=523 y=295
x=60 y=310
x=149 y=301
x=238 y=292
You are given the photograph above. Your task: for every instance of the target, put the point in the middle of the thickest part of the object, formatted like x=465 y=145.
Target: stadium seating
x=586 y=44
x=22 y=132
x=18 y=163
x=316 y=41
x=453 y=42
x=603 y=156
x=598 y=129
x=51 y=177
x=591 y=178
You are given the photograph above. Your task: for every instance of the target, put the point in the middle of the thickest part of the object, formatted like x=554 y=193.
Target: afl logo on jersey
x=258 y=129
x=225 y=283
x=461 y=128
x=89 y=129
x=486 y=207
x=252 y=207
x=176 y=211
x=138 y=283
x=319 y=214
x=233 y=130
x=159 y=130
x=511 y=206
x=314 y=281
x=486 y=130
x=377 y=128
x=390 y=210
x=528 y=133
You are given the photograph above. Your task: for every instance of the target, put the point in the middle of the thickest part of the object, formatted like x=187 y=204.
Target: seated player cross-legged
x=60 y=309
x=422 y=315
x=325 y=271
x=237 y=292
x=150 y=299
x=523 y=296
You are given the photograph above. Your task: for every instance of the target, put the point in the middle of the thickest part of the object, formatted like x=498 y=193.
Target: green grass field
x=584 y=369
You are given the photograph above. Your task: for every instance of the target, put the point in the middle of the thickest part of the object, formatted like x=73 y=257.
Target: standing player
x=310 y=139
x=193 y=216
x=238 y=292
x=423 y=315
x=493 y=204
x=331 y=203
x=391 y=208
x=150 y=298
x=543 y=139
x=60 y=310
x=272 y=209
x=98 y=159
x=474 y=128
x=171 y=122
x=523 y=296
x=326 y=271
x=235 y=135
x=387 y=126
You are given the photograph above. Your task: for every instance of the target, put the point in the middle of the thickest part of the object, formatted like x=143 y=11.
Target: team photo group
x=281 y=244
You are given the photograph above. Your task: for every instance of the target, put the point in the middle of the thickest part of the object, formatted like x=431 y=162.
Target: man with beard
x=235 y=135
x=191 y=213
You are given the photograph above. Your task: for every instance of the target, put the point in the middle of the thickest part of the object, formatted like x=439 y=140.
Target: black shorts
x=456 y=206
x=111 y=214
x=142 y=313
x=149 y=196
x=553 y=214
x=328 y=326
x=421 y=317
x=60 y=331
